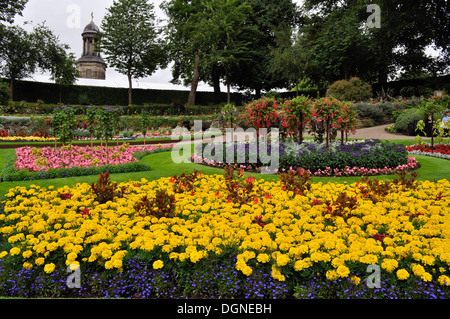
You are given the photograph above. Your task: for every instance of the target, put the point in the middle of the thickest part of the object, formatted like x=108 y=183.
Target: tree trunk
x=257 y=93
x=195 y=80
x=216 y=80
x=130 y=89
x=11 y=89
x=328 y=128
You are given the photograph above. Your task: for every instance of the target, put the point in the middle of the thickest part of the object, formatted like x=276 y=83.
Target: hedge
x=79 y=94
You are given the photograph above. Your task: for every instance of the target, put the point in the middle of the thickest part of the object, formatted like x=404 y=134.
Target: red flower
x=65 y=196
x=380 y=237
x=258 y=220
x=85 y=212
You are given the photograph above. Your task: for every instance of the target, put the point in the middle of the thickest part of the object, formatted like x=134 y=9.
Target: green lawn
x=162 y=166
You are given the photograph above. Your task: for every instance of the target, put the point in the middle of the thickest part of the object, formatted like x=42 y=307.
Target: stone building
x=91 y=65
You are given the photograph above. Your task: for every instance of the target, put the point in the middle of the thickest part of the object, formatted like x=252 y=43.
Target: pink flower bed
x=34 y=159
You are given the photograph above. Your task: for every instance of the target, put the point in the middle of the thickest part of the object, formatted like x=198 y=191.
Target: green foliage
x=4 y=93
x=63 y=123
x=105 y=190
x=352 y=90
x=130 y=40
x=406 y=118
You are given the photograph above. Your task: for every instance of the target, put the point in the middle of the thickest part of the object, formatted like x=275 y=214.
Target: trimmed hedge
x=97 y=95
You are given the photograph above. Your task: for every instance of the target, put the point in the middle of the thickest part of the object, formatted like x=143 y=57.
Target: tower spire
x=92 y=16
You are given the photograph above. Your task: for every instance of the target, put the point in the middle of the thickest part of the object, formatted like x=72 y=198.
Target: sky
x=67 y=19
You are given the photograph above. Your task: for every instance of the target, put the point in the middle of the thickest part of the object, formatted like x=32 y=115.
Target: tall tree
x=18 y=55
x=230 y=36
x=22 y=53
x=269 y=18
x=406 y=30
x=130 y=40
x=188 y=41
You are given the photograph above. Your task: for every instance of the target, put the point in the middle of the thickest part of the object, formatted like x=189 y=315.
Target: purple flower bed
x=139 y=280
x=355 y=158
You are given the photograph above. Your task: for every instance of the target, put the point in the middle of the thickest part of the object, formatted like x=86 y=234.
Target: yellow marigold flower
x=282 y=260
x=27 y=254
x=389 y=265
x=158 y=264
x=342 y=271
x=263 y=258
x=117 y=263
x=356 y=280
x=426 y=276
x=39 y=261
x=14 y=251
x=27 y=265
x=402 y=274
x=428 y=260
x=3 y=254
x=276 y=274
x=418 y=270
x=444 y=280
x=49 y=268
x=332 y=275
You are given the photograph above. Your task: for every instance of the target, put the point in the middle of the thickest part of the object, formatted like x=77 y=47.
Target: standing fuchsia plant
x=297 y=112
x=328 y=109
x=262 y=113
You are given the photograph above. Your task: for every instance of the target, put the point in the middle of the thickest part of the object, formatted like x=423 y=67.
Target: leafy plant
x=239 y=191
x=351 y=90
x=296 y=181
x=163 y=205
x=298 y=113
x=185 y=182
x=105 y=190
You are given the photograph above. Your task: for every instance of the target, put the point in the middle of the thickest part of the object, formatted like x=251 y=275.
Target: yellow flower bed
x=26 y=138
x=406 y=233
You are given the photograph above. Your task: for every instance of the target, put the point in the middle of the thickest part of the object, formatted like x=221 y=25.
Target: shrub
x=163 y=205
x=105 y=190
x=4 y=93
x=406 y=118
x=351 y=90
x=262 y=113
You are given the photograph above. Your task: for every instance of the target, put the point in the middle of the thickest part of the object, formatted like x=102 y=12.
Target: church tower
x=91 y=65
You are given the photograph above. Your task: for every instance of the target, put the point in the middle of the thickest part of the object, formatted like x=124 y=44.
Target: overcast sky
x=67 y=18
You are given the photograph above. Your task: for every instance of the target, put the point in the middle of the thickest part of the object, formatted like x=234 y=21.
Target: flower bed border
x=412 y=165
x=431 y=154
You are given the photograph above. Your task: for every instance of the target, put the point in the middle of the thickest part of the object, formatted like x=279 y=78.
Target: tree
x=290 y=58
x=188 y=40
x=18 y=55
x=130 y=40
x=8 y=9
x=53 y=56
x=22 y=53
x=269 y=18
x=230 y=35
x=341 y=42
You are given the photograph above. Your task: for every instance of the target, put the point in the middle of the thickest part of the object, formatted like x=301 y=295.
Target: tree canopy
x=130 y=40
